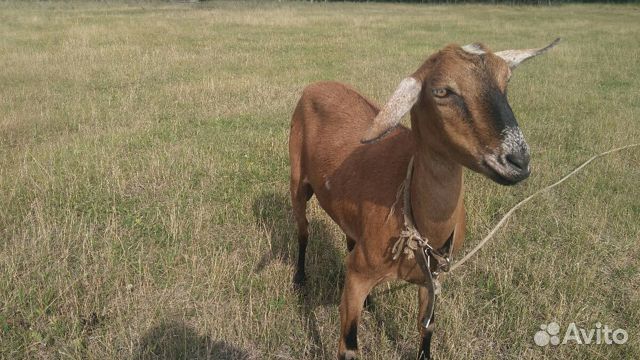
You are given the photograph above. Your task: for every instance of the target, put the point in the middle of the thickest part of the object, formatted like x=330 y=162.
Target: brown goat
x=354 y=158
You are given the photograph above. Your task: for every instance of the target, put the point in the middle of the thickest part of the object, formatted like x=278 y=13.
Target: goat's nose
x=519 y=160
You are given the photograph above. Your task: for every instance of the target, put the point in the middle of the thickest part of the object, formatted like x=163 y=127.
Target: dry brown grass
x=143 y=181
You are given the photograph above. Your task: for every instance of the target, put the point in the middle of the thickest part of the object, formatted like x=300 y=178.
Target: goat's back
x=351 y=180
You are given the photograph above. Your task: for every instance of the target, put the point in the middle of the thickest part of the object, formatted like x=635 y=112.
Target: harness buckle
x=443 y=262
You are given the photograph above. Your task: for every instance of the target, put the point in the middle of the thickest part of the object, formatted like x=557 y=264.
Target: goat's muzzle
x=510 y=163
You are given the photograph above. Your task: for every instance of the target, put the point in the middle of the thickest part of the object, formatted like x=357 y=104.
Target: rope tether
x=518 y=205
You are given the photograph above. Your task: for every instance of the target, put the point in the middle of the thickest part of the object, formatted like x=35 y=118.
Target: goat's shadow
x=177 y=340
x=324 y=265
x=325 y=269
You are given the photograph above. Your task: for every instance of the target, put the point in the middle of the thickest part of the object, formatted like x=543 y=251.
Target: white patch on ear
x=400 y=102
x=474 y=49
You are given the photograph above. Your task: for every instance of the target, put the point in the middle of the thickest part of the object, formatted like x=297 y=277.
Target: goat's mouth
x=502 y=171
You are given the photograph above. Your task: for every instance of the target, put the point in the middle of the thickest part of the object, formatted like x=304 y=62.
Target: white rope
x=410 y=239
x=518 y=205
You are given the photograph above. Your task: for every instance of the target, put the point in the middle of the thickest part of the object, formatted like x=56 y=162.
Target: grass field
x=144 y=207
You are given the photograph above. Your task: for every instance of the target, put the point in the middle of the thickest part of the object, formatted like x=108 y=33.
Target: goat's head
x=459 y=95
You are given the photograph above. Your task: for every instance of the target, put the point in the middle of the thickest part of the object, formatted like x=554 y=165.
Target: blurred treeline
x=504 y=2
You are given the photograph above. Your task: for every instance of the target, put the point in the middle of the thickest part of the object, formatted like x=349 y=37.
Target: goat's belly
x=343 y=213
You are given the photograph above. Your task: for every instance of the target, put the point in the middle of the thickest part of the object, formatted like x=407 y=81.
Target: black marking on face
x=499 y=109
x=351 y=338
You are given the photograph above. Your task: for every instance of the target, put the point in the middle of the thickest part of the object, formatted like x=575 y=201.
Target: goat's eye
x=440 y=92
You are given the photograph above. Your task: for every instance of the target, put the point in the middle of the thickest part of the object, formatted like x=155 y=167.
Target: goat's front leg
x=425 y=334
x=356 y=289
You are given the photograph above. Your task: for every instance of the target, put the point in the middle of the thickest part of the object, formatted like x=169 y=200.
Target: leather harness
x=412 y=243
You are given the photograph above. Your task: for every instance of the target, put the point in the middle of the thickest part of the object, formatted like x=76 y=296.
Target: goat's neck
x=436 y=186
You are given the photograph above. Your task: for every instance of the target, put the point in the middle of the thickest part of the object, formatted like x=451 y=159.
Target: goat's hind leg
x=301 y=192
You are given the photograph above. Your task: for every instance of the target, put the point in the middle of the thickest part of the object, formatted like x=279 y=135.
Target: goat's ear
x=517 y=57
x=399 y=104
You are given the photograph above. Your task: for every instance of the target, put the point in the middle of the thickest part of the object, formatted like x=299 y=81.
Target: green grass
x=144 y=207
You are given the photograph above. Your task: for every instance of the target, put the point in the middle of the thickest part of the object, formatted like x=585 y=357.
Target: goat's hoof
x=422 y=355
x=348 y=355
x=299 y=280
